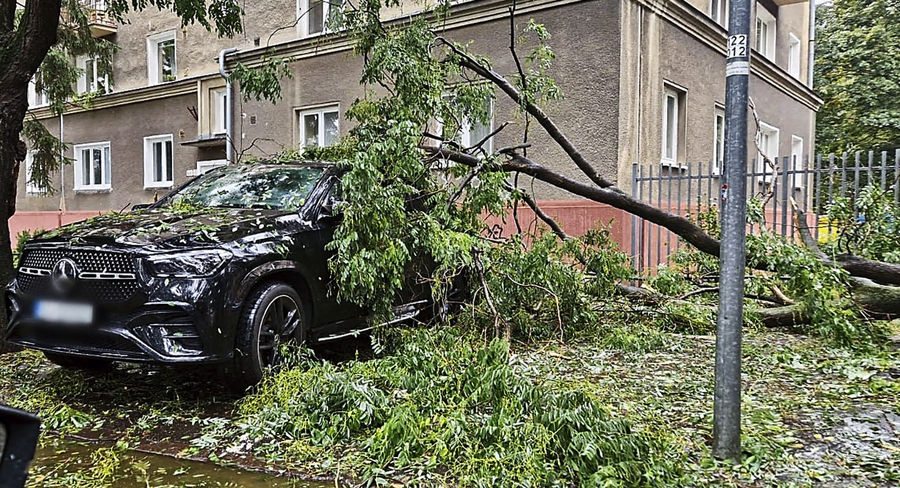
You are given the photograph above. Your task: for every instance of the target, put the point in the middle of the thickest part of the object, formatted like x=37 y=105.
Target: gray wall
x=125 y=128
x=586 y=69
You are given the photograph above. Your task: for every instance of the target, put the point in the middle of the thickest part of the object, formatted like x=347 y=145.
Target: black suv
x=222 y=270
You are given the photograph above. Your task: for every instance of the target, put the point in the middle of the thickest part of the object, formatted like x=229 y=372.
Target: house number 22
x=737 y=46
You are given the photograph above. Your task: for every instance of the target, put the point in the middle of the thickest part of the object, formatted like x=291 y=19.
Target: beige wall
x=125 y=128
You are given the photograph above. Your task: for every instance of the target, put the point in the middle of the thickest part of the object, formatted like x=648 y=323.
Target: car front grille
x=88 y=261
x=104 y=276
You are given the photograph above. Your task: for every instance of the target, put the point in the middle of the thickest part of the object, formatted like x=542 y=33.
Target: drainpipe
x=229 y=116
x=62 y=169
x=812 y=43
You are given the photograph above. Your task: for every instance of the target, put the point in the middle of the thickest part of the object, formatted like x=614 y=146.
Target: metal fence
x=694 y=189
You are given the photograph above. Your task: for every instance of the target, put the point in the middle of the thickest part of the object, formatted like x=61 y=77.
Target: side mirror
x=19 y=433
x=140 y=206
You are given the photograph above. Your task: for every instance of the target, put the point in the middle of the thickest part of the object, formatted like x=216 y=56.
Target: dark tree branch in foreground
x=467 y=61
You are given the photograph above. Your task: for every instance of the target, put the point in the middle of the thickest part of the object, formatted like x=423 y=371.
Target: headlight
x=189 y=264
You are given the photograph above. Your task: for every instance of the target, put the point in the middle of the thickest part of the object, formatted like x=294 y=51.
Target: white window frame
x=99 y=84
x=671 y=131
x=794 y=56
x=153 y=68
x=465 y=135
x=718 y=161
x=36 y=99
x=105 y=167
x=718 y=11
x=765 y=32
x=217 y=110
x=797 y=160
x=303 y=16
x=320 y=111
x=150 y=180
x=209 y=165
x=767 y=133
x=30 y=187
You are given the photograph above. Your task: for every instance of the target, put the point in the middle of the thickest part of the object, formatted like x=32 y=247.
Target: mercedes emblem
x=63 y=275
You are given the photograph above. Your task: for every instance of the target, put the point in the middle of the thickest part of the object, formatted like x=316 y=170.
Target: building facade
x=643 y=84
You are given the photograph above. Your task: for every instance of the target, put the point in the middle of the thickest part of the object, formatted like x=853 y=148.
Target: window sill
x=673 y=165
x=166 y=186
x=89 y=191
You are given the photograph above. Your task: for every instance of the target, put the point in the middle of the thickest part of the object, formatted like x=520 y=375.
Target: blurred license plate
x=62 y=312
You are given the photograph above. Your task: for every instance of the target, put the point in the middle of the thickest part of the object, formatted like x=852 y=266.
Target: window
x=765 y=32
x=217 y=110
x=92 y=166
x=90 y=80
x=472 y=131
x=161 y=63
x=794 y=57
x=31 y=187
x=767 y=140
x=718 y=141
x=671 y=125
x=209 y=164
x=158 y=161
x=319 y=127
x=37 y=98
x=316 y=15
x=718 y=11
x=797 y=161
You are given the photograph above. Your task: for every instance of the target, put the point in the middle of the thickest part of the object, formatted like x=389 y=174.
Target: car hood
x=164 y=228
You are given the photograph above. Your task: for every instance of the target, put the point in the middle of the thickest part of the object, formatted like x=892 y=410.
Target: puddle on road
x=63 y=463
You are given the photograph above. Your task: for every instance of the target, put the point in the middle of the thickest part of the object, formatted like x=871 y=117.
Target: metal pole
x=727 y=404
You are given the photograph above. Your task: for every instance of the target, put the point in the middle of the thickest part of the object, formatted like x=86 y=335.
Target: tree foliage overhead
x=857 y=73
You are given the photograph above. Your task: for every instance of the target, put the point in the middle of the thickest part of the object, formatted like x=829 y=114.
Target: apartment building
x=643 y=82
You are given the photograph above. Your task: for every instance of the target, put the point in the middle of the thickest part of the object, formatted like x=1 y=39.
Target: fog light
x=173 y=340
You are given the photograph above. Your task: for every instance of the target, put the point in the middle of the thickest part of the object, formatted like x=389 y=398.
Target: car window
x=267 y=187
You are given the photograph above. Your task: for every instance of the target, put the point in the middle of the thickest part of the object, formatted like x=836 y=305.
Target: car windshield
x=267 y=187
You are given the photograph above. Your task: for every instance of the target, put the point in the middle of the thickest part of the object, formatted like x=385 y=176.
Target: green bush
x=442 y=408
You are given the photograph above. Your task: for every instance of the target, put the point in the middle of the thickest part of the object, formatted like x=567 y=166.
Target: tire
x=79 y=363
x=273 y=314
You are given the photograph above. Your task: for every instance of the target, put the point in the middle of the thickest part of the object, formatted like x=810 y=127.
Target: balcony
x=100 y=23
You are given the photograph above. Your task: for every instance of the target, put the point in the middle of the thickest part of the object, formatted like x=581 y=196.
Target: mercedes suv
x=222 y=270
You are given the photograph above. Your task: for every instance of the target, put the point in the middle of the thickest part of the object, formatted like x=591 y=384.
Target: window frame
x=99 y=84
x=718 y=12
x=35 y=99
x=303 y=17
x=216 y=111
x=797 y=161
x=153 y=66
x=149 y=162
x=718 y=163
x=795 y=52
x=105 y=168
x=319 y=110
x=767 y=48
x=30 y=188
x=767 y=130
x=679 y=95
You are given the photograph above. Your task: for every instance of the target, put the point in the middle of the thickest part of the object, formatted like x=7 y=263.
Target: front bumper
x=166 y=321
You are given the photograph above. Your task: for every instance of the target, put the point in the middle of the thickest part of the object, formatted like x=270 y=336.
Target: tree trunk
x=22 y=50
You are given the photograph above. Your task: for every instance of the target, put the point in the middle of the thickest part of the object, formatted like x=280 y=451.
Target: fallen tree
x=414 y=64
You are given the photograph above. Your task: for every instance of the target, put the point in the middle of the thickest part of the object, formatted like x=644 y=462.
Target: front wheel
x=273 y=315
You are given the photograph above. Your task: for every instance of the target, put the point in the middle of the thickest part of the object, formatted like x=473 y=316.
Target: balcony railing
x=100 y=23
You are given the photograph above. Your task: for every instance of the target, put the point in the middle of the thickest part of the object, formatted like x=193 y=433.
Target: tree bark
x=22 y=50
